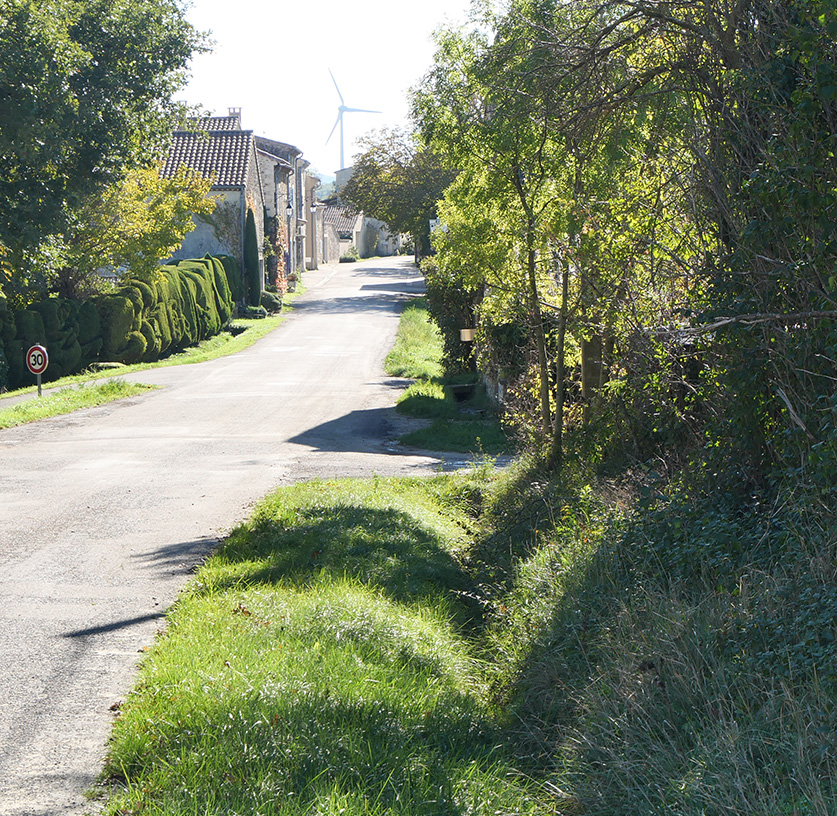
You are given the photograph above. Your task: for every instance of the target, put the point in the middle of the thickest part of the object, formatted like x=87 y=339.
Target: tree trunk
x=557 y=451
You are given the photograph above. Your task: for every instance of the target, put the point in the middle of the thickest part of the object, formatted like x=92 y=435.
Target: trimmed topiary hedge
x=180 y=305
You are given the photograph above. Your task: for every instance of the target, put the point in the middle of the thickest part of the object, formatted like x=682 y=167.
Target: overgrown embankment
x=496 y=644
x=323 y=661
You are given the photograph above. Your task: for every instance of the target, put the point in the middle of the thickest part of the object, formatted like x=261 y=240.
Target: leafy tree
x=399 y=181
x=135 y=224
x=574 y=198
x=85 y=92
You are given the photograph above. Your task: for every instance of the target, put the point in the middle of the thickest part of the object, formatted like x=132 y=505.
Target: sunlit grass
x=67 y=400
x=417 y=352
x=313 y=667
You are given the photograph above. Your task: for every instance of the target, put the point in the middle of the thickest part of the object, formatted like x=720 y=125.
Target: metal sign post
x=36 y=361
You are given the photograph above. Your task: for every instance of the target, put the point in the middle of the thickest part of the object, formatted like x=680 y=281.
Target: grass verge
x=243 y=333
x=321 y=662
x=483 y=644
x=463 y=419
x=67 y=400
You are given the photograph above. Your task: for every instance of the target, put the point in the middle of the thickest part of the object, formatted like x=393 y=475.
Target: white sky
x=272 y=61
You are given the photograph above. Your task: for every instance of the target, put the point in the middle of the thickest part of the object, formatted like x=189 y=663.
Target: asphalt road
x=104 y=513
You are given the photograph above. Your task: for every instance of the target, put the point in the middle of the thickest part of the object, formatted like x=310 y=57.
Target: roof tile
x=224 y=154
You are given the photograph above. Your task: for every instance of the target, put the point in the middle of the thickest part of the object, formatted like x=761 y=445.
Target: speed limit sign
x=37 y=359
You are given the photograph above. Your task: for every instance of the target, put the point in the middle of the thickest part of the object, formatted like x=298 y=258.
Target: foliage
x=453 y=304
x=85 y=93
x=272 y=302
x=134 y=225
x=399 y=182
x=350 y=255
x=253 y=282
x=143 y=319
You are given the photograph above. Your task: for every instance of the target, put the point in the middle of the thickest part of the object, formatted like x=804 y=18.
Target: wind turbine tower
x=340 y=111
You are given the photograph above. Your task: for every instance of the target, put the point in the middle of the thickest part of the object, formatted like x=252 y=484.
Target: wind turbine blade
x=342 y=101
x=336 y=123
x=358 y=110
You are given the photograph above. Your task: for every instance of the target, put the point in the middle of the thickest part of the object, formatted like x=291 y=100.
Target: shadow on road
x=356 y=431
x=180 y=558
x=358 y=305
x=112 y=627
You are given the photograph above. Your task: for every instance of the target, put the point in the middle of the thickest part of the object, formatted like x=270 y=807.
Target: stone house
x=217 y=147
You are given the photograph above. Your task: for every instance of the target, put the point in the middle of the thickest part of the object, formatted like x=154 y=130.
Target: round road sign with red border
x=37 y=359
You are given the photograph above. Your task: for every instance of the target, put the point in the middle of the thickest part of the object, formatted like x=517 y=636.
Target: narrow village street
x=104 y=513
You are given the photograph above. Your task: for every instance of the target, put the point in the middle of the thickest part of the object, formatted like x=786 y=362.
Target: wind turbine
x=340 y=111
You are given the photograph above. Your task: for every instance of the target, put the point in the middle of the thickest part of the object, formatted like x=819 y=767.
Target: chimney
x=236 y=112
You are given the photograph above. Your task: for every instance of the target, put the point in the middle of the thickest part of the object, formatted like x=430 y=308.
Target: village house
x=217 y=147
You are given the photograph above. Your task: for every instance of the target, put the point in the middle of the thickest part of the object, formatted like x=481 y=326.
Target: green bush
x=151 y=333
x=350 y=255
x=119 y=319
x=223 y=295
x=8 y=344
x=89 y=333
x=175 y=307
x=60 y=318
x=453 y=306
x=233 y=275
x=271 y=302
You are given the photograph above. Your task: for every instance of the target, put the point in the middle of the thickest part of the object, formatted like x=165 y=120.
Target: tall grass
x=678 y=658
x=321 y=663
x=418 y=345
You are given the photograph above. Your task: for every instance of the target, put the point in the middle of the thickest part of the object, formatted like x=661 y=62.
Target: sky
x=273 y=61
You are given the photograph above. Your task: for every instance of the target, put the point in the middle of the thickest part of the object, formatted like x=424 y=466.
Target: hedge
x=142 y=320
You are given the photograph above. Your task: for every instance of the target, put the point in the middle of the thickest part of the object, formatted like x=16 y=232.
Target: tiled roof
x=343 y=218
x=212 y=124
x=283 y=150
x=222 y=153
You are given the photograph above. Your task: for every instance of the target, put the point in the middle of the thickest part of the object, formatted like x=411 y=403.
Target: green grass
x=67 y=400
x=474 y=436
x=418 y=345
x=470 y=426
x=321 y=662
x=488 y=643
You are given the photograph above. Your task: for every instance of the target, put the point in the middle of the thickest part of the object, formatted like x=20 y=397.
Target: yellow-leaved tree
x=134 y=225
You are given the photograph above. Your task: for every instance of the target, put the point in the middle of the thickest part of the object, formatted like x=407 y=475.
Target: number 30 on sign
x=37 y=359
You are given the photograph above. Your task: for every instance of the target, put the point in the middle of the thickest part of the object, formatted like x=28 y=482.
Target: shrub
x=176 y=306
x=4 y=370
x=233 y=274
x=350 y=255
x=271 y=302
x=452 y=305
x=223 y=295
x=89 y=333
